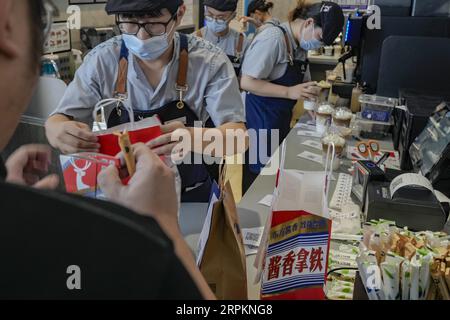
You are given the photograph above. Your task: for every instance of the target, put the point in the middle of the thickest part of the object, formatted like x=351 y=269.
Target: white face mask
x=149 y=49
x=216 y=26
x=312 y=44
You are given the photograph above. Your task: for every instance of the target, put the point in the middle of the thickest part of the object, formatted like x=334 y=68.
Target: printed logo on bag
x=81 y=172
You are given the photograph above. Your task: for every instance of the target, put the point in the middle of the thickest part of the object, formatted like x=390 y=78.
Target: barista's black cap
x=222 y=5
x=330 y=17
x=254 y=5
x=141 y=6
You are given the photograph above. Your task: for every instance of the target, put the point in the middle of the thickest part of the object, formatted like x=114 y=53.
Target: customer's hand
x=150 y=192
x=28 y=164
x=305 y=91
x=71 y=137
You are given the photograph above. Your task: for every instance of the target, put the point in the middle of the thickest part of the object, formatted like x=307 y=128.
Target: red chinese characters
x=301 y=262
x=274 y=267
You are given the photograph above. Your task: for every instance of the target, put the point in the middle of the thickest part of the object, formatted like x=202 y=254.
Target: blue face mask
x=149 y=49
x=215 y=26
x=312 y=44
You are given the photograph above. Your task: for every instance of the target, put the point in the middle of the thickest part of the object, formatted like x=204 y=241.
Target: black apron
x=196 y=179
x=3 y=172
x=237 y=63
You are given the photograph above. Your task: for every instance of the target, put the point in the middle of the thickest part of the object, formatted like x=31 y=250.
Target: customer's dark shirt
x=120 y=255
x=2 y=170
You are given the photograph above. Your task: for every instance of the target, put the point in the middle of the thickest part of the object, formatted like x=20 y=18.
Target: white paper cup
x=323 y=121
x=309 y=105
x=349 y=72
x=342 y=122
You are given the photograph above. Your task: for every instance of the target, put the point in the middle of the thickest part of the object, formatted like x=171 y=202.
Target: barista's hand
x=305 y=91
x=170 y=138
x=71 y=137
x=150 y=192
x=28 y=164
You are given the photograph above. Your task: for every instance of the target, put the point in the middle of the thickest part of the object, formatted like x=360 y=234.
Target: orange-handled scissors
x=368 y=149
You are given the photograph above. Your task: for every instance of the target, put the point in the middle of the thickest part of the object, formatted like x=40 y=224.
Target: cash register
x=409 y=205
x=415 y=200
x=406 y=198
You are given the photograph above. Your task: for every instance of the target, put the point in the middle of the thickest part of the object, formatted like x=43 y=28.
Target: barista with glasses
x=218 y=16
x=156 y=71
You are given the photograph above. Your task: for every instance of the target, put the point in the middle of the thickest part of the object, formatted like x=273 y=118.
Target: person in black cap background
x=259 y=12
x=120 y=254
x=275 y=71
x=217 y=30
x=148 y=69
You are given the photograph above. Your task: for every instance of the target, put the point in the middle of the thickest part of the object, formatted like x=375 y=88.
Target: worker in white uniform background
x=145 y=64
x=259 y=14
x=217 y=30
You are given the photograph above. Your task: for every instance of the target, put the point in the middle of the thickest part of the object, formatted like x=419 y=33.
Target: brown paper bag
x=223 y=261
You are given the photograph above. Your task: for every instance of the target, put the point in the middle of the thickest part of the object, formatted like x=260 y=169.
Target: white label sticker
x=252 y=236
x=305 y=126
x=311 y=156
x=313 y=144
x=309 y=134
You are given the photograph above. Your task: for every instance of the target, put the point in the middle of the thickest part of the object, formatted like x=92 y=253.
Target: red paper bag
x=292 y=260
x=143 y=131
x=80 y=172
x=296 y=259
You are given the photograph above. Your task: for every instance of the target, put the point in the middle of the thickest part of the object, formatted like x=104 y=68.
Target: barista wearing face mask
x=157 y=71
x=218 y=16
x=275 y=71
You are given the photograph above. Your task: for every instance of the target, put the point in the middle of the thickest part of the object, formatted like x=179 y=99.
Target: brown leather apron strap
x=183 y=69
x=289 y=48
x=240 y=45
x=183 y=66
x=122 y=76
